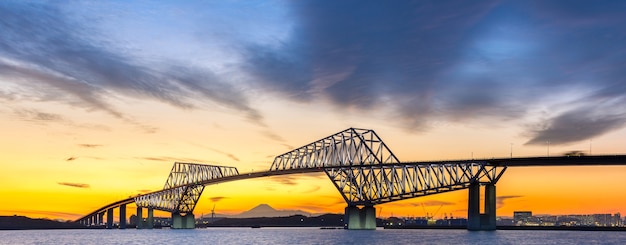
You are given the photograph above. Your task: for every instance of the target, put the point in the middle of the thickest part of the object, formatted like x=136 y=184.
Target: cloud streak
x=77 y=185
x=500 y=200
x=59 y=50
x=217 y=199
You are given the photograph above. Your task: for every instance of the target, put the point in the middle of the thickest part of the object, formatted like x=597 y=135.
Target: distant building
x=522 y=217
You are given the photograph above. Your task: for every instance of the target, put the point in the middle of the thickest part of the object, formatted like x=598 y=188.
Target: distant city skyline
x=101 y=98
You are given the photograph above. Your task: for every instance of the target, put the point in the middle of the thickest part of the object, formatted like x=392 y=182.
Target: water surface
x=307 y=236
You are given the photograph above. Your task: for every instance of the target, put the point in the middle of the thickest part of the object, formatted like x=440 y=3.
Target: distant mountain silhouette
x=264 y=210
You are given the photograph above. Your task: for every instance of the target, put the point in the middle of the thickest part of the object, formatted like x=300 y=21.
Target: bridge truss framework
x=361 y=167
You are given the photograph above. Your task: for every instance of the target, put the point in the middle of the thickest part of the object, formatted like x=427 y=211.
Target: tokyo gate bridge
x=362 y=168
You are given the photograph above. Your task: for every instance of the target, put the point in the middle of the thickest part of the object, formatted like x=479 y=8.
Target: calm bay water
x=306 y=236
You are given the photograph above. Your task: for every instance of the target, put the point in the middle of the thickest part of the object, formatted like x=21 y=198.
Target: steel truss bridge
x=361 y=167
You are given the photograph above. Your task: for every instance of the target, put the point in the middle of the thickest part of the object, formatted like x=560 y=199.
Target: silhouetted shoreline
x=25 y=223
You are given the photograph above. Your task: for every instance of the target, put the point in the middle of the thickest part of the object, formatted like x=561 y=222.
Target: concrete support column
x=488 y=220
x=150 y=219
x=90 y=221
x=360 y=218
x=139 y=223
x=123 y=216
x=183 y=222
x=190 y=221
x=100 y=219
x=473 y=207
x=475 y=220
x=109 y=218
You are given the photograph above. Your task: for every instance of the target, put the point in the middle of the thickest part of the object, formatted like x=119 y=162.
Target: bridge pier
x=150 y=219
x=100 y=219
x=487 y=220
x=139 y=222
x=360 y=218
x=110 y=218
x=183 y=222
x=123 y=216
x=149 y=222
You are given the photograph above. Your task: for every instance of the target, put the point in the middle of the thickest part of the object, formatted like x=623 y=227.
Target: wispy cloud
x=64 y=53
x=170 y=159
x=580 y=124
x=313 y=189
x=429 y=203
x=285 y=179
x=217 y=199
x=69 y=159
x=89 y=145
x=77 y=185
x=37 y=116
x=501 y=200
x=229 y=155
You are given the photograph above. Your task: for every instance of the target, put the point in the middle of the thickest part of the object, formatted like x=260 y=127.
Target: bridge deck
x=596 y=160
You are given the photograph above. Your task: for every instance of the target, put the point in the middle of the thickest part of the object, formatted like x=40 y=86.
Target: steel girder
x=183 y=187
x=366 y=172
x=376 y=184
x=351 y=147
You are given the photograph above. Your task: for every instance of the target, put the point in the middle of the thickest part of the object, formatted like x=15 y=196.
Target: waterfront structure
x=521 y=216
x=362 y=168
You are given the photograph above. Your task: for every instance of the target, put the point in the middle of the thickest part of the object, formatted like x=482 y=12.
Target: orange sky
x=62 y=169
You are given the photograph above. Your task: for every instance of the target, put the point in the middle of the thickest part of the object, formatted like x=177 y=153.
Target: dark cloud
x=359 y=54
x=500 y=200
x=71 y=159
x=451 y=60
x=90 y=145
x=58 y=50
x=77 y=185
x=580 y=124
x=217 y=199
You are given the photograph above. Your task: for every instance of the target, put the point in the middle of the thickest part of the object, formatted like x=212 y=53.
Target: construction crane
x=432 y=216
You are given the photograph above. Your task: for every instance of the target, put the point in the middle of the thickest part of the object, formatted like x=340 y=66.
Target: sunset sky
x=100 y=98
